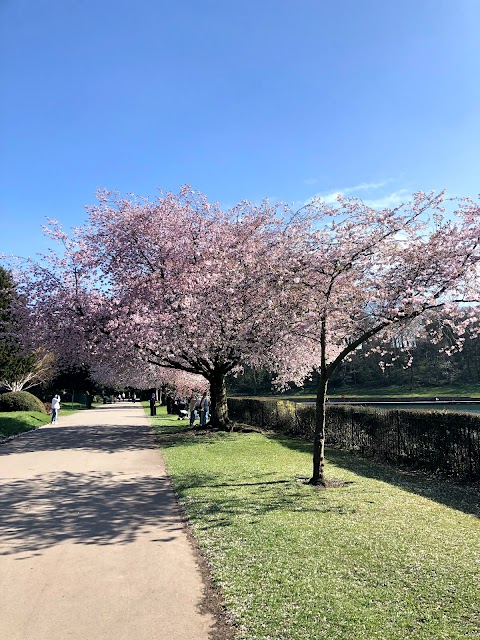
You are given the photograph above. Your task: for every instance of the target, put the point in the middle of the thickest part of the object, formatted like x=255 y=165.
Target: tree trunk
x=163 y=395
x=218 y=397
x=318 y=477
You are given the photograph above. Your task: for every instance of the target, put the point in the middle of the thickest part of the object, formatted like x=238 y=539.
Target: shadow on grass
x=455 y=495
x=226 y=501
x=12 y=426
x=465 y=498
x=236 y=495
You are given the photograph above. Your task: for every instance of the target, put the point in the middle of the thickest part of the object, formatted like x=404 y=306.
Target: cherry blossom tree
x=184 y=384
x=134 y=372
x=361 y=273
x=177 y=282
x=183 y=285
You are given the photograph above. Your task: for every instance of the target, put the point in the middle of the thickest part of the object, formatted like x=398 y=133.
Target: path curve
x=92 y=544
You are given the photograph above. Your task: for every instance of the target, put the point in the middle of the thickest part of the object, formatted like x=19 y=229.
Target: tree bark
x=318 y=477
x=218 y=398
x=163 y=395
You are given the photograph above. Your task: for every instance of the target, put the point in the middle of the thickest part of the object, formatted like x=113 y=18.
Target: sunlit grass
x=15 y=422
x=401 y=391
x=391 y=555
x=393 y=391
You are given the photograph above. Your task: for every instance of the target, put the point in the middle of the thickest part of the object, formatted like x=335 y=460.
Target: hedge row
x=440 y=441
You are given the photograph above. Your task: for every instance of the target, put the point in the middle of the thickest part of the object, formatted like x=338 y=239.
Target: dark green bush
x=20 y=401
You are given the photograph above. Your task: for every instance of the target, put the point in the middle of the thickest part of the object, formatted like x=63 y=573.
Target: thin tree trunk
x=318 y=477
x=218 y=397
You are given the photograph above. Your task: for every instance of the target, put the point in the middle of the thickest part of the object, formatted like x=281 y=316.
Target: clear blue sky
x=242 y=99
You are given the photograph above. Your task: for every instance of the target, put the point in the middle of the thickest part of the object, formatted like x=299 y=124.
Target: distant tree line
x=430 y=366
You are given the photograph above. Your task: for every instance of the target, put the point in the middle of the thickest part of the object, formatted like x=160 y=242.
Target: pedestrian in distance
x=193 y=405
x=55 y=408
x=153 y=405
x=204 y=409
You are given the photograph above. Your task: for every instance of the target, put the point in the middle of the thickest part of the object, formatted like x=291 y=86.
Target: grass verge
x=14 y=422
x=390 y=556
x=393 y=391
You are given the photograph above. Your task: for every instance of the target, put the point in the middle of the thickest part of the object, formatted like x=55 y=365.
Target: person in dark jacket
x=153 y=405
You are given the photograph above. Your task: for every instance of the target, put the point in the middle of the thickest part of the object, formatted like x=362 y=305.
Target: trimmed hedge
x=21 y=401
x=443 y=441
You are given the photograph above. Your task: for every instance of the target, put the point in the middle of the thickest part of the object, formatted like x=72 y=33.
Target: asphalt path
x=92 y=544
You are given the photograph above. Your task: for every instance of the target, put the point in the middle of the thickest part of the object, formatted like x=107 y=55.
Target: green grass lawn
x=465 y=390
x=470 y=390
x=15 y=422
x=391 y=555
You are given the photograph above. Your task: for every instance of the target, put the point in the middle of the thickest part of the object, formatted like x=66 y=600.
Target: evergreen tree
x=20 y=368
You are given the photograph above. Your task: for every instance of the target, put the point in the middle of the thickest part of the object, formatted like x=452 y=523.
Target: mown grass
x=390 y=556
x=393 y=391
x=470 y=390
x=15 y=422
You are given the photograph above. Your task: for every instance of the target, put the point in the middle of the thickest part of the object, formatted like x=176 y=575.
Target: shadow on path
x=83 y=508
x=109 y=439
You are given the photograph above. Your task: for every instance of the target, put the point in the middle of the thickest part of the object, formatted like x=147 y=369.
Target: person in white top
x=55 y=408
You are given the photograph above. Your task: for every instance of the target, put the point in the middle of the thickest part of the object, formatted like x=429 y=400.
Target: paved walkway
x=92 y=546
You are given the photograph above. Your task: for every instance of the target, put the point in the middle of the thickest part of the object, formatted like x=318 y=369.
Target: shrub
x=20 y=401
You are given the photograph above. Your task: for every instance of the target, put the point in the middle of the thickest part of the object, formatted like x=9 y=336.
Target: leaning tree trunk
x=318 y=477
x=218 y=397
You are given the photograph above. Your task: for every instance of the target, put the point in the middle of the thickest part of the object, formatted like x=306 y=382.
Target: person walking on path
x=153 y=405
x=55 y=408
x=204 y=408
